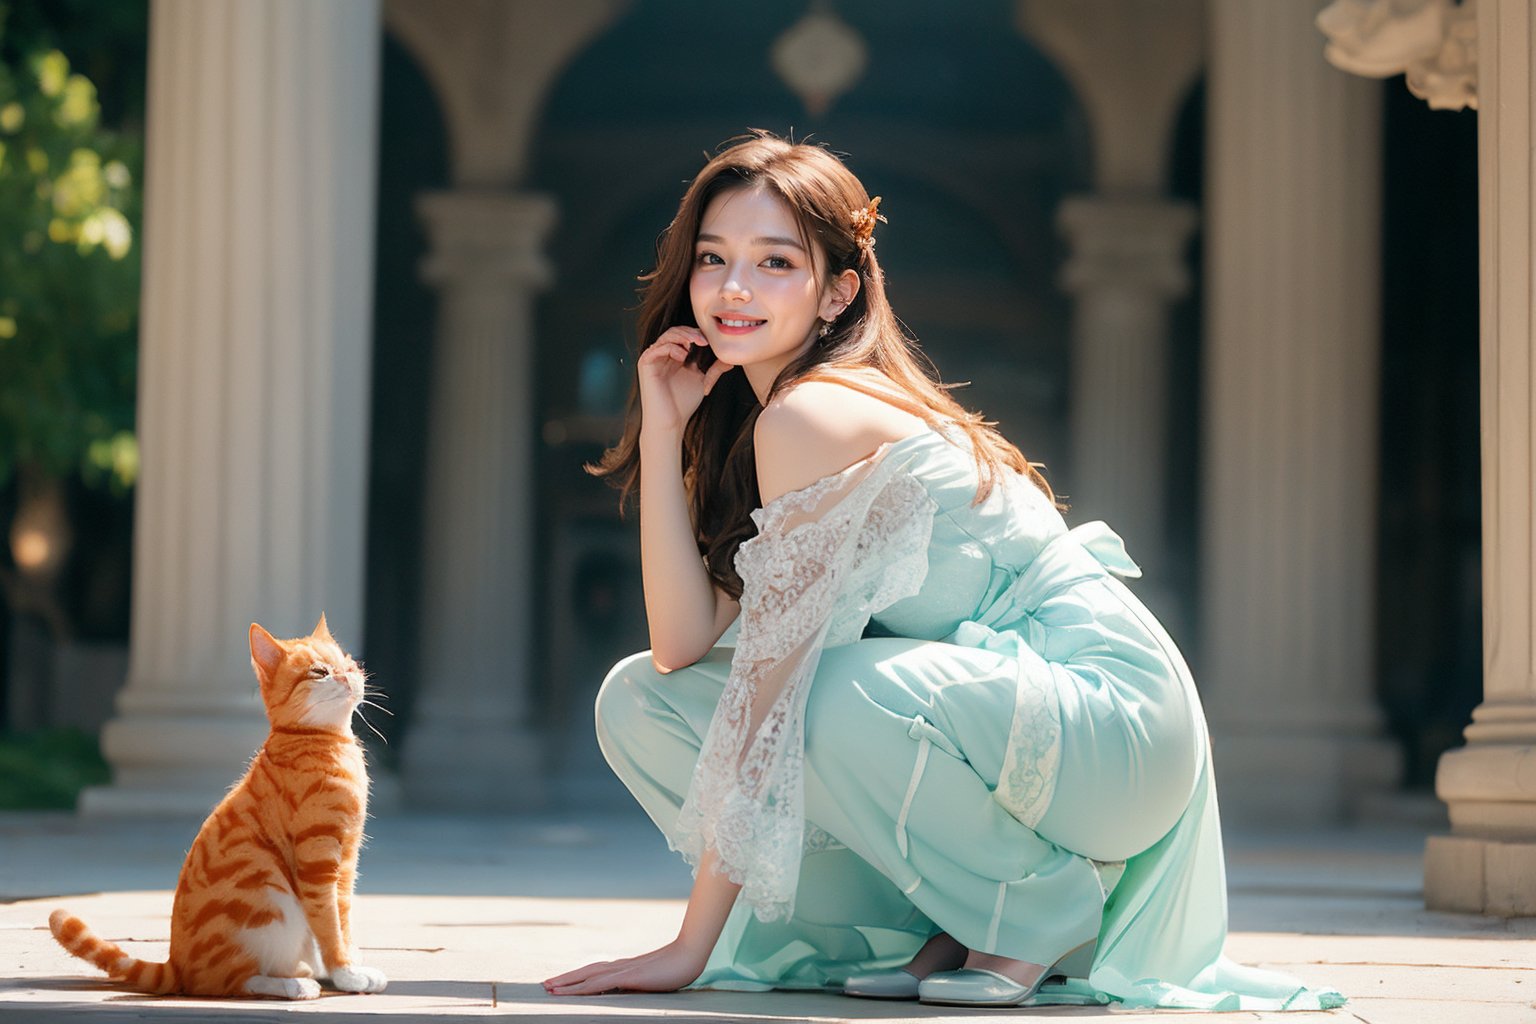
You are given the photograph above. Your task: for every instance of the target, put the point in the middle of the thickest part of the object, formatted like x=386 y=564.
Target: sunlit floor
x=467 y=914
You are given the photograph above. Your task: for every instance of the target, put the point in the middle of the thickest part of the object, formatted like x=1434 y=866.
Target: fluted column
x=470 y=744
x=1290 y=419
x=253 y=374
x=1126 y=267
x=1488 y=863
x=1131 y=63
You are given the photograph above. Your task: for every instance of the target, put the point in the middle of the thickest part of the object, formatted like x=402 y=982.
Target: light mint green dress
x=1014 y=752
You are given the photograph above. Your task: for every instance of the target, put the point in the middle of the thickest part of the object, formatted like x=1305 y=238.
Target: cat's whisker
x=380 y=707
x=371 y=726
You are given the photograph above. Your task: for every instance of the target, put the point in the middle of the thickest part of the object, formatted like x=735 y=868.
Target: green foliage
x=69 y=274
x=48 y=769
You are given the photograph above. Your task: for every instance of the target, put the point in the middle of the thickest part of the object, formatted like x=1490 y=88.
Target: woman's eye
x=778 y=263
x=708 y=259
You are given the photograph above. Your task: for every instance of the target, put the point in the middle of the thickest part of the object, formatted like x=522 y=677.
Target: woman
x=945 y=754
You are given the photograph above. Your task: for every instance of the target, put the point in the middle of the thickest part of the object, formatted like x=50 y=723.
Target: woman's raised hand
x=671 y=390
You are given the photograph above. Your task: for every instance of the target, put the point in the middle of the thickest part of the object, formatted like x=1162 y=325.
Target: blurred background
x=1225 y=292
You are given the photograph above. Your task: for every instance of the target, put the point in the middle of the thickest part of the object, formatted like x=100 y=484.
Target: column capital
x=492 y=64
x=487 y=234
x=1131 y=63
x=1126 y=242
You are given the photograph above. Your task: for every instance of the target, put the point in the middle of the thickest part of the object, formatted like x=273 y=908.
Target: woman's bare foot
x=1021 y=971
x=940 y=953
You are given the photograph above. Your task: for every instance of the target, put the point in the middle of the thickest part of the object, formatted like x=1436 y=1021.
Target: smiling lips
x=738 y=325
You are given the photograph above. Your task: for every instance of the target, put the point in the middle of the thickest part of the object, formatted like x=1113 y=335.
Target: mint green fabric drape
x=1015 y=754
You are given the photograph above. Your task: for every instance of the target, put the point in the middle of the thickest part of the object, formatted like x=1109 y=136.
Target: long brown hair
x=719 y=467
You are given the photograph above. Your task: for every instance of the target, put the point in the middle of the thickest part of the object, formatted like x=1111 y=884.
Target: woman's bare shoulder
x=817 y=428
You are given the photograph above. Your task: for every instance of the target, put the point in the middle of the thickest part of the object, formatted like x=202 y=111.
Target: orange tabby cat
x=265 y=894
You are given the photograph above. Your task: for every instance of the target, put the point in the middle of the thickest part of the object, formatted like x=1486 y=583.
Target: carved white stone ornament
x=1432 y=42
x=819 y=57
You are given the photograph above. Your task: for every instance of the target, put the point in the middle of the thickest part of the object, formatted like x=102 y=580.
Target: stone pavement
x=466 y=915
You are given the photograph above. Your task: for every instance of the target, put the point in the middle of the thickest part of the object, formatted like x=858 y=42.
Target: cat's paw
x=283 y=988
x=352 y=978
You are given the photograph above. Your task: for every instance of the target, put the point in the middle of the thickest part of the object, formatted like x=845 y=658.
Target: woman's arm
x=685 y=611
x=806 y=434
x=673 y=966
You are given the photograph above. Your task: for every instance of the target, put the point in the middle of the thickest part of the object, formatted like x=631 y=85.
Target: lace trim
x=1028 y=776
x=817 y=840
x=1033 y=758
x=774 y=515
x=827 y=557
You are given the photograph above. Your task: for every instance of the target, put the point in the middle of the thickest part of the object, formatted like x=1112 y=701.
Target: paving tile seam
x=1397 y=963
x=1463 y=1001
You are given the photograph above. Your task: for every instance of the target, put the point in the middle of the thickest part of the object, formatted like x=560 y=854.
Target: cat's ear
x=322 y=631
x=266 y=654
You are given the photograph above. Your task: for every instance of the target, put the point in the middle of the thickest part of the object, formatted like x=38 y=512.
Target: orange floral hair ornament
x=864 y=224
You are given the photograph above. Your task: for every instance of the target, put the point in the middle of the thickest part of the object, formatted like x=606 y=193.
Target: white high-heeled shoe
x=974 y=986
x=895 y=983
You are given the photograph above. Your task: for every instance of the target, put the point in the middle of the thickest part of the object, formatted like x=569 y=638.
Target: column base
x=191 y=799
x=1285 y=779
x=183 y=798
x=1487 y=865
x=463 y=765
x=1474 y=875
x=166 y=765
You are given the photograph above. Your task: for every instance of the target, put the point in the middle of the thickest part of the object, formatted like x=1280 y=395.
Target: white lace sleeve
x=825 y=559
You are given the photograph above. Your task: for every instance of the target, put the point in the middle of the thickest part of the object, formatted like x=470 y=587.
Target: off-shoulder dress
x=934 y=715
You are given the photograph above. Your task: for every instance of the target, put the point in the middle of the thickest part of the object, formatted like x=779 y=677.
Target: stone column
x=1488 y=862
x=1290 y=419
x=1131 y=64
x=470 y=745
x=253 y=375
x=1291 y=426
x=1126 y=267
x=491 y=63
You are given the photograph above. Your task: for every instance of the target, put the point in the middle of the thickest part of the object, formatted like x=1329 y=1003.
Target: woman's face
x=755 y=288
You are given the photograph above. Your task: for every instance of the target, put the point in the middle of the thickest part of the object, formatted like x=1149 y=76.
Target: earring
x=826 y=328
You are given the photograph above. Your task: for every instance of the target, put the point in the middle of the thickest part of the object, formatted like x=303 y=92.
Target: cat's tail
x=143 y=975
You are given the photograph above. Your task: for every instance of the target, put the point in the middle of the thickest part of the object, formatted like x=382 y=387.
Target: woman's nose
x=734 y=288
